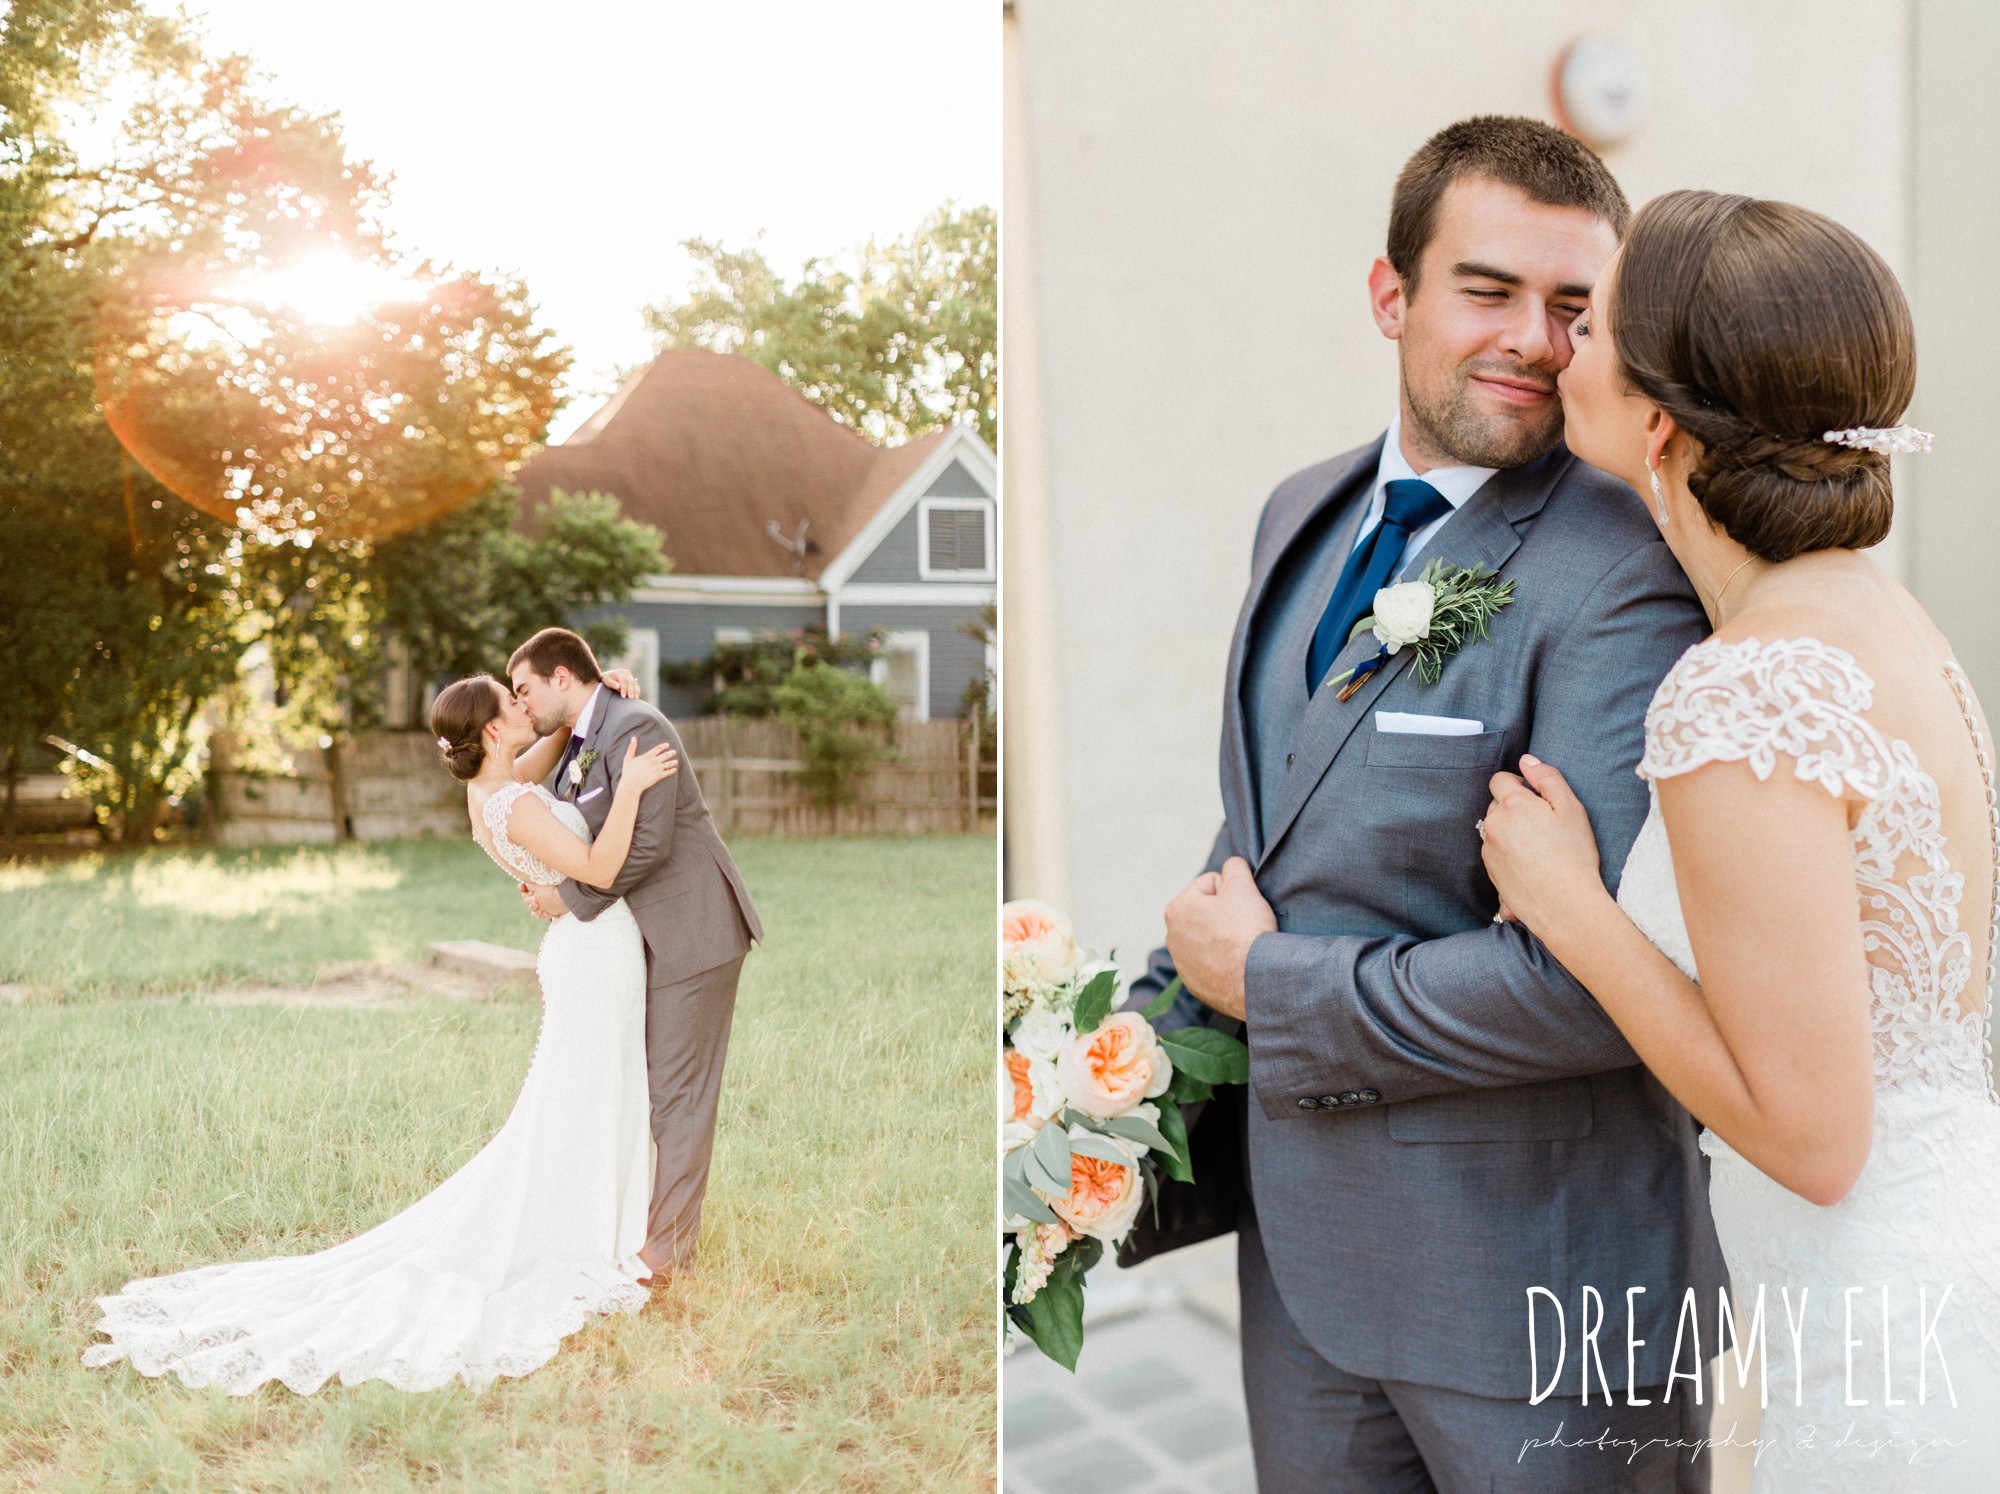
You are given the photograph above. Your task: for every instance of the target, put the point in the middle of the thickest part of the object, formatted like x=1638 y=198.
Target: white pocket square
x=581 y=798
x=1427 y=726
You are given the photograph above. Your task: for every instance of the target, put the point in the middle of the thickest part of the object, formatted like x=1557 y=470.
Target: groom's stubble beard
x=1451 y=424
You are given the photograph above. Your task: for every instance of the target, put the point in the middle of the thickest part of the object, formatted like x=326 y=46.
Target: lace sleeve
x=1750 y=701
x=512 y=858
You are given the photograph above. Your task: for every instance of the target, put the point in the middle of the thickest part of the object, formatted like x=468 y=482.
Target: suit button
x=1329 y=1102
x=1349 y=1097
x=1307 y=1102
x=1370 y=1096
x=1288 y=759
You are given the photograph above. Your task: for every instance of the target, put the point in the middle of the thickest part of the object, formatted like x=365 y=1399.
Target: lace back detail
x=1962 y=688
x=513 y=859
x=1753 y=702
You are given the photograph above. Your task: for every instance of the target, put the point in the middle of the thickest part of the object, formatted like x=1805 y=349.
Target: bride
x=1801 y=941
x=487 y=1274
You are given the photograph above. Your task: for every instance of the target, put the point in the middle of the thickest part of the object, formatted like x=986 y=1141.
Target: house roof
x=711 y=448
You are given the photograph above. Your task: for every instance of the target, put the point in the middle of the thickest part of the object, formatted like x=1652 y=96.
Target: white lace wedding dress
x=487 y=1274
x=1925 y=1213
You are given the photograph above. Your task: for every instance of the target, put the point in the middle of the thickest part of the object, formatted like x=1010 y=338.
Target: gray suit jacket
x=679 y=879
x=1439 y=1117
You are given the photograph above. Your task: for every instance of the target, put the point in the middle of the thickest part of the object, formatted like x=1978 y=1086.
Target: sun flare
x=328 y=288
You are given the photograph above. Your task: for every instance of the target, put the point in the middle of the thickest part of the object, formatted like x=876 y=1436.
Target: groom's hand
x=1210 y=928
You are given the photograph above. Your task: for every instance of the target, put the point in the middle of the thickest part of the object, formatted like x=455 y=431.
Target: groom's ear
x=1386 y=298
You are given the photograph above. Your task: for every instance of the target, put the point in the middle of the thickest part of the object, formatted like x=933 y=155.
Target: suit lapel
x=1483 y=532
x=1238 y=786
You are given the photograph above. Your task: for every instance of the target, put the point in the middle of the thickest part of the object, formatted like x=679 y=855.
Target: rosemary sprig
x=1465 y=599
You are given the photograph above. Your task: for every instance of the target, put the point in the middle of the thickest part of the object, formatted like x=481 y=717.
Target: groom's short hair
x=1534 y=158
x=553 y=649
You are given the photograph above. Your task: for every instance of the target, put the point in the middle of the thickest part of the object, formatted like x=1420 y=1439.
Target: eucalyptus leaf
x=1025 y=1202
x=1048 y=1161
x=1091 y=1144
x=1138 y=1128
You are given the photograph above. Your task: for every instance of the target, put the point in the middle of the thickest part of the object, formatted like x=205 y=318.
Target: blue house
x=776 y=516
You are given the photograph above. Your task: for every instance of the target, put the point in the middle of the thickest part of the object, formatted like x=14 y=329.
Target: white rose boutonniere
x=1437 y=614
x=583 y=763
x=1403 y=613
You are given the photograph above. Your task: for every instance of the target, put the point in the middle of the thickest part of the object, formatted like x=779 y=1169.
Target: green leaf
x=1186 y=1089
x=1054 y=1319
x=1207 y=1054
x=1361 y=627
x=1048 y=1161
x=1176 y=1163
x=1091 y=1144
x=1094 y=1004
x=1137 y=1128
x=1024 y=1201
x=1164 y=1002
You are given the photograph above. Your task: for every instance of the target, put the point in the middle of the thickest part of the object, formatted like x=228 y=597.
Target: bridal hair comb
x=444 y=744
x=1886 y=439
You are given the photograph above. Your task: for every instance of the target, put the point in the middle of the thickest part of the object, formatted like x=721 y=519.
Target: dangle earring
x=1659 y=497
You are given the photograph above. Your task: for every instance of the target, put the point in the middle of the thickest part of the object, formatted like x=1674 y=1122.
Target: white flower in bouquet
x=1403 y=613
x=1041 y=1244
x=1041 y=1034
x=1030 y=1092
x=1109 y=1071
x=1036 y=942
x=1104 y=1196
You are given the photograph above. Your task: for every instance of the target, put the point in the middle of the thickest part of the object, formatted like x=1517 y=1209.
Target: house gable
x=958 y=474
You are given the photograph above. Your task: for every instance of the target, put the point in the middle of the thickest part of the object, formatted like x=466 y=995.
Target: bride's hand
x=641 y=770
x=1537 y=845
x=624 y=681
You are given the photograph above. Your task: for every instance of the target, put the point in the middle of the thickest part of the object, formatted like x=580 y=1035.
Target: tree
x=894 y=340
x=841 y=719
x=201 y=455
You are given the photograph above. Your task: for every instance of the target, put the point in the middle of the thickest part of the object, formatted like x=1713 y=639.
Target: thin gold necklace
x=1732 y=576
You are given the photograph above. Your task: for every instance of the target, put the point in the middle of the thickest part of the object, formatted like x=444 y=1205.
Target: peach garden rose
x=1036 y=942
x=1104 y=1196
x=1106 y=1073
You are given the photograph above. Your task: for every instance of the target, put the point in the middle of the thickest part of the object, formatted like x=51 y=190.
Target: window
x=642 y=657
x=955 y=539
x=904 y=672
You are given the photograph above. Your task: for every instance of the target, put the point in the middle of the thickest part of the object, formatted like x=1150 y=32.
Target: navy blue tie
x=562 y=766
x=1408 y=505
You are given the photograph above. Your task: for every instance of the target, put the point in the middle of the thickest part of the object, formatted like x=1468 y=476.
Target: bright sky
x=577 y=145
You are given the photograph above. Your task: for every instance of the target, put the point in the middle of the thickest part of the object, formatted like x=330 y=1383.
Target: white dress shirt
x=1454 y=484
x=582 y=727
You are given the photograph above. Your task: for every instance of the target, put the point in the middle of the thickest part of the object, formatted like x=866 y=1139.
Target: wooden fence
x=383 y=785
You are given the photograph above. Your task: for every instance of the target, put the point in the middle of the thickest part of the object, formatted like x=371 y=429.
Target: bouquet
x=1090 y=1115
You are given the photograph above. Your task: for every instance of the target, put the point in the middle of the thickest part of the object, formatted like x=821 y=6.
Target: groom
x=685 y=894
x=1438 y=1117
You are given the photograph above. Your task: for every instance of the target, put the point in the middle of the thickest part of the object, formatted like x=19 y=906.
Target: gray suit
x=696 y=917
x=1439 y=1117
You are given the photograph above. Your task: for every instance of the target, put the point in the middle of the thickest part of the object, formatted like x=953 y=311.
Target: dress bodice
x=512 y=858
x=1807 y=701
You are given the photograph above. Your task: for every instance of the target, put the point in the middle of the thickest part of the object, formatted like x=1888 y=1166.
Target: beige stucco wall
x=1195 y=192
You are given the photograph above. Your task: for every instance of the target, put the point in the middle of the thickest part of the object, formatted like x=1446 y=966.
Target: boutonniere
x=1436 y=614
x=585 y=760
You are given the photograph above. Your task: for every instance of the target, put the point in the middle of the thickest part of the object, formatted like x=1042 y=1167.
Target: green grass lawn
x=836 y=1334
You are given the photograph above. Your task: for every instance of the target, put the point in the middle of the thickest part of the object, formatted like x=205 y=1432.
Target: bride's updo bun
x=1759 y=326
x=458 y=720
